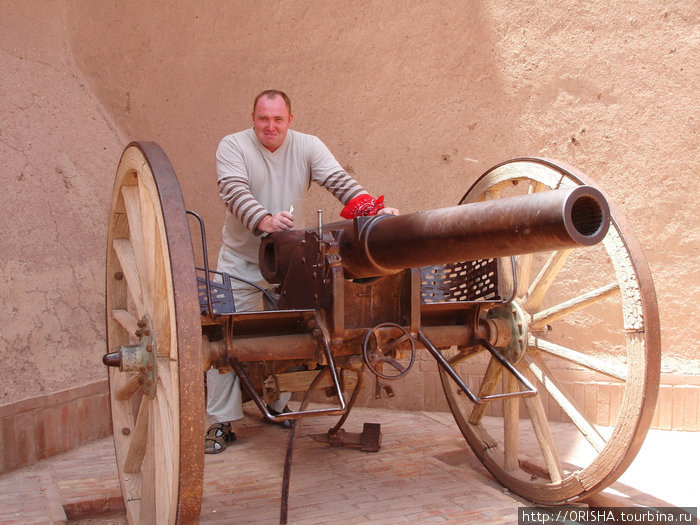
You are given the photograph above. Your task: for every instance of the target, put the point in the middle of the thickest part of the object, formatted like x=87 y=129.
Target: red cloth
x=362 y=206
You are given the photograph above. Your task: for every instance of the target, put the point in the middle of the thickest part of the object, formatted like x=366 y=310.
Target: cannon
x=533 y=278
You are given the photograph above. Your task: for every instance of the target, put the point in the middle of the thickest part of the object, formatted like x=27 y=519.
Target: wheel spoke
x=162 y=305
x=535 y=186
x=540 y=370
x=511 y=420
x=129 y=388
x=148 y=472
x=462 y=355
x=126 y=319
x=492 y=194
x=523 y=263
x=139 y=439
x=523 y=267
x=579 y=358
x=543 y=433
x=150 y=246
x=505 y=276
x=540 y=319
x=125 y=255
x=539 y=287
x=488 y=384
x=130 y=194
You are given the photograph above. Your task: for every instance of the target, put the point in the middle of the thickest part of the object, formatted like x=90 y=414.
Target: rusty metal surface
x=460 y=281
x=385 y=244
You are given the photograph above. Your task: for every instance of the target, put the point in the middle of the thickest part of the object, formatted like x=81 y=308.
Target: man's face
x=271 y=120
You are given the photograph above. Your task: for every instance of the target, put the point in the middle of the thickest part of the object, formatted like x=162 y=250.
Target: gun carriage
x=532 y=244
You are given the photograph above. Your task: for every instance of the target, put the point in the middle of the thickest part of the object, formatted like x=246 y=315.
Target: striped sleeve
x=329 y=174
x=342 y=186
x=236 y=195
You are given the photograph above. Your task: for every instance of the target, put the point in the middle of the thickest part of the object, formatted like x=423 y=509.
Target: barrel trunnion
x=492 y=288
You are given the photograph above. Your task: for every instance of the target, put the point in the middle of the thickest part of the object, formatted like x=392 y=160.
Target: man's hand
x=388 y=211
x=280 y=221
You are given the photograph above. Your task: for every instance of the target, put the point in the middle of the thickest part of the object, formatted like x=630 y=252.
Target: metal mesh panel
x=464 y=281
x=221 y=295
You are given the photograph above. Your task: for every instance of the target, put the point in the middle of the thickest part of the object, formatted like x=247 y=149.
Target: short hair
x=272 y=93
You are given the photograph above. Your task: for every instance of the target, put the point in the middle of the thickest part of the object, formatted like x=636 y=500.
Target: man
x=262 y=173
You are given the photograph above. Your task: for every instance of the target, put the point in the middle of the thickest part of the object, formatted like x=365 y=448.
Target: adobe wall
x=58 y=151
x=417 y=99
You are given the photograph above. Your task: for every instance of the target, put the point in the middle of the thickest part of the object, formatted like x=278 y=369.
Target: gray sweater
x=254 y=182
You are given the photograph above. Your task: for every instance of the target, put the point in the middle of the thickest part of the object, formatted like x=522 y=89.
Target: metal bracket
x=330 y=367
x=442 y=362
x=369 y=440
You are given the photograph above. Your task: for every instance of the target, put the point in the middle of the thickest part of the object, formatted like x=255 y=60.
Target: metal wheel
x=154 y=342
x=590 y=326
x=382 y=346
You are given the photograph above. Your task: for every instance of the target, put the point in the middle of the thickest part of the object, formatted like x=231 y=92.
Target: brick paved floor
x=424 y=473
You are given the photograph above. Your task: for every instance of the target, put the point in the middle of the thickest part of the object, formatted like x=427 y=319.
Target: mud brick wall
x=46 y=425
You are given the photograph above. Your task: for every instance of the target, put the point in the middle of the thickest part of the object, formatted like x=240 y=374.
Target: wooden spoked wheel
x=591 y=343
x=154 y=342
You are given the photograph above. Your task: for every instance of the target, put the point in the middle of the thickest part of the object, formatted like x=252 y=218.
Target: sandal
x=218 y=437
x=287 y=423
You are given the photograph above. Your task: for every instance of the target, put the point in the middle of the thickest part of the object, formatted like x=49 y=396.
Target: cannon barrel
x=386 y=244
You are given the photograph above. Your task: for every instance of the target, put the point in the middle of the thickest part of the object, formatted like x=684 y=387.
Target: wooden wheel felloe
x=154 y=342
x=590 y=320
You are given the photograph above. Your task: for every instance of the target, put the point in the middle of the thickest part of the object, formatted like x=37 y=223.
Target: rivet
x=126 y=431
x=118 y=276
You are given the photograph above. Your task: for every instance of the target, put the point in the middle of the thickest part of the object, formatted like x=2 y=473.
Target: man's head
x=272 y=116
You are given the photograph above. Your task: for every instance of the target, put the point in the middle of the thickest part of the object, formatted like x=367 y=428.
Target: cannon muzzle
x=386 y=244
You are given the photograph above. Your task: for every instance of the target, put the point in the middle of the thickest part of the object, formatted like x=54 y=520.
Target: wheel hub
x=514 y=317
x=140 y=357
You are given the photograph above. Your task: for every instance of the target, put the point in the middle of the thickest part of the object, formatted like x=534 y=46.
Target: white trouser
x=224 y=400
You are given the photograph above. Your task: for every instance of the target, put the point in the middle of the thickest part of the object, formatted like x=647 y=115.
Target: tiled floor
x=424 y=473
